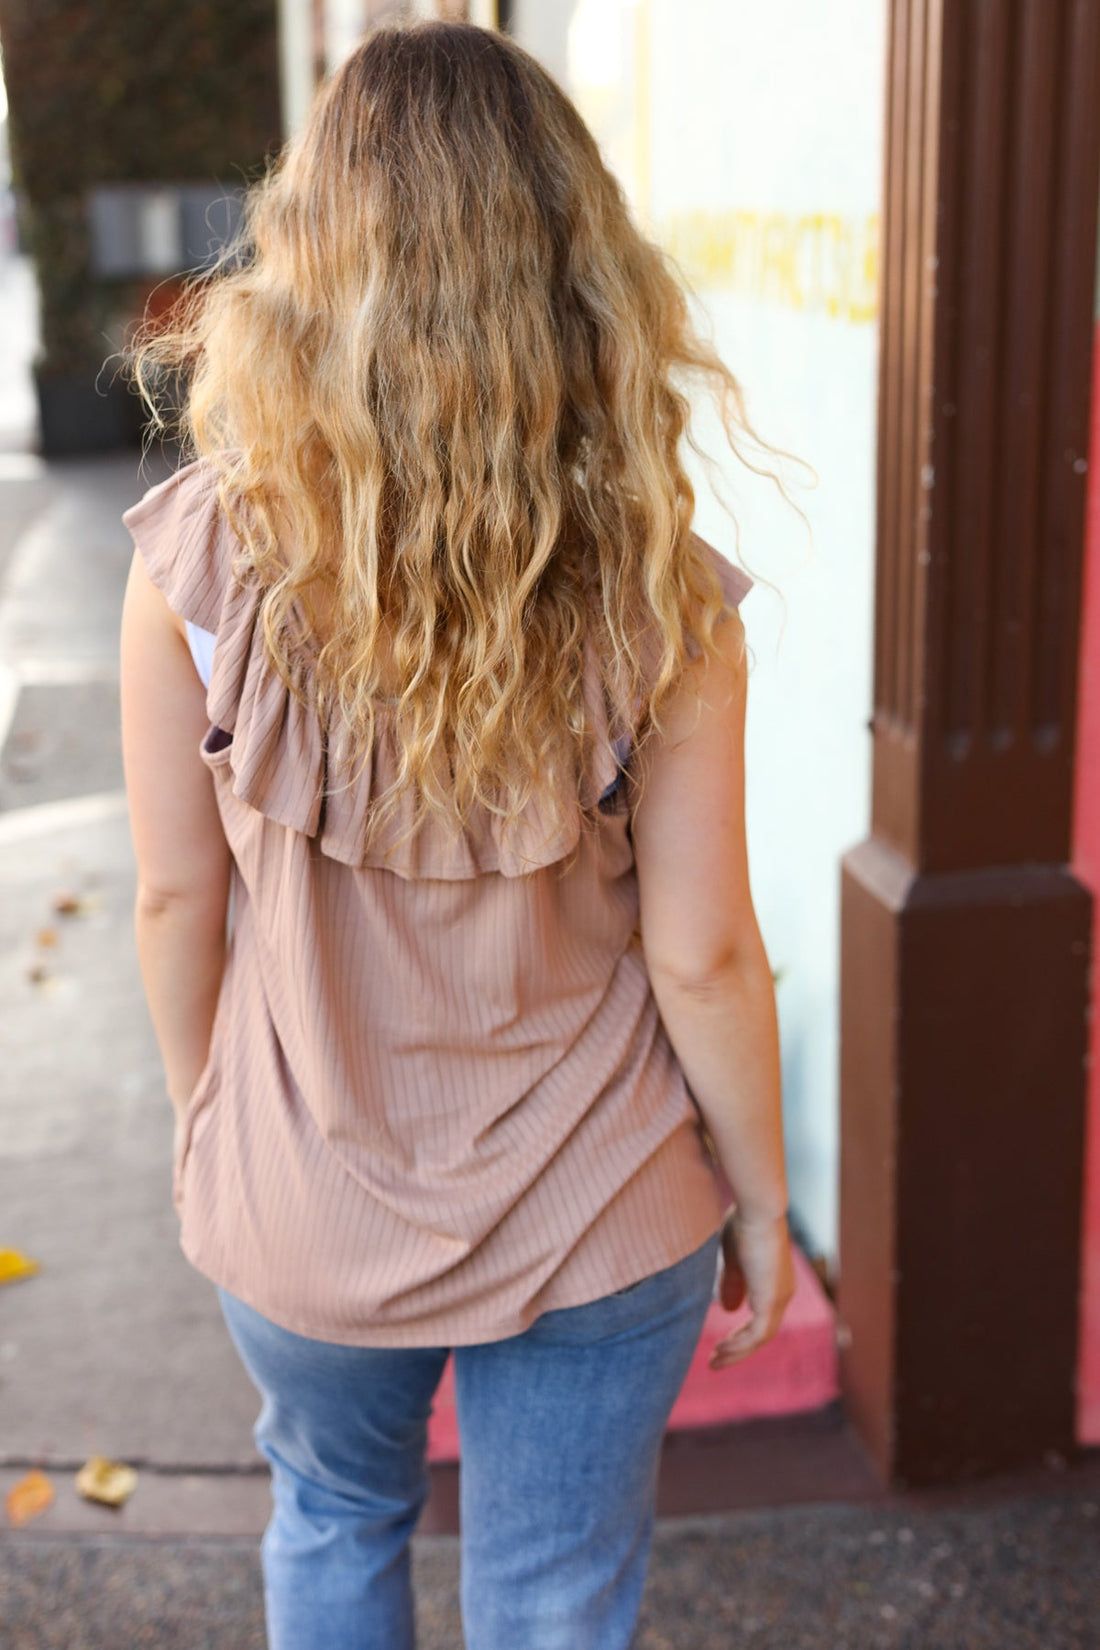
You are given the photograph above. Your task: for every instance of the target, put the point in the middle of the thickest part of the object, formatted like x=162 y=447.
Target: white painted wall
x=345 y=23
x=749 y=136
x=295 y=63
x=542 y=26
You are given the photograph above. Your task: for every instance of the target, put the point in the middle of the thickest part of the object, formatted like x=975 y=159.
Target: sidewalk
x=117 y=1346
x=112 y=1348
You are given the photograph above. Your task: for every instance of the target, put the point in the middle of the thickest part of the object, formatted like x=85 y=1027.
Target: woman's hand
x=757 y=1265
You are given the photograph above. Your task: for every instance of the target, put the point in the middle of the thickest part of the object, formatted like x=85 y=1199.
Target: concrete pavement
x=116 y=1347
x=1019 y=1573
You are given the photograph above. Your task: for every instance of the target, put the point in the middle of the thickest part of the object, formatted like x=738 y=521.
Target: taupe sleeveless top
x=439 y=1098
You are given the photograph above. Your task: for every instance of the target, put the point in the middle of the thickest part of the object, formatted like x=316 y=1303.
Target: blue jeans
x=560 y=1431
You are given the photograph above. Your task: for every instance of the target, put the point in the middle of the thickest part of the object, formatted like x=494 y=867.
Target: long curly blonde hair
x=444 y=380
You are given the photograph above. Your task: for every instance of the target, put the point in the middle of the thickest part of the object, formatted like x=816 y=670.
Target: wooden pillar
x=964 y=937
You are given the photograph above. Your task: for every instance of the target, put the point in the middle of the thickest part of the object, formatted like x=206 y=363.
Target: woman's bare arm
x=710 y=972
x=183 y=860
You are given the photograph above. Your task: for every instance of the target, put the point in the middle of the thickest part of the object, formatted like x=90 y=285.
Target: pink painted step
x=797 y=1370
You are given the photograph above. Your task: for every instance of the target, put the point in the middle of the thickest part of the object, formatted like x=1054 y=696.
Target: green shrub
x=125 y=91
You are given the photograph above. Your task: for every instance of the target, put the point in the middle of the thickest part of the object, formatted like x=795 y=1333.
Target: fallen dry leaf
x=31 y=1496
x=75 y=905
x=39 y=974
x=15 y=1265
x=108 y=1481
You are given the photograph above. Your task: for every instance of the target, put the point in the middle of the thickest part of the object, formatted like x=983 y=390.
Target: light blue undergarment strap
x=201 y=643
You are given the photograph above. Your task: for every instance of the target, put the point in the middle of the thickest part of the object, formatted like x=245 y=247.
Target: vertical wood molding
x=964 y=936
x=991 y=198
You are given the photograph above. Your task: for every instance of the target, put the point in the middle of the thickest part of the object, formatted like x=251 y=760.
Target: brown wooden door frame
x=964 y=936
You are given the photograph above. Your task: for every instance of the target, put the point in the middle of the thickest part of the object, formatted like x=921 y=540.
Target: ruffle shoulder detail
x=283 y=761
x=735 y=583
x=179 y=532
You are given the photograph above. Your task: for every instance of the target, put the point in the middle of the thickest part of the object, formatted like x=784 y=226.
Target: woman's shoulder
x=183 y=488
x=182 y=535
x=733 y=581
x=733 y=584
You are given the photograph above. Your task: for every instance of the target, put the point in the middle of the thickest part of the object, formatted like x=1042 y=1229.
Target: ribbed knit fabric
x=439 y=1098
